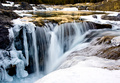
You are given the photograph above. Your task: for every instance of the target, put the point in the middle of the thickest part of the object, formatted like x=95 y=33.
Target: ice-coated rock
x=9 y=59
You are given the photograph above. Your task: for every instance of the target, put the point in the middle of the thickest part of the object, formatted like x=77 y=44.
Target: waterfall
x=43 y=46
x=41 y=49
x=25 y=46
x=63 y=38
x=31 y=28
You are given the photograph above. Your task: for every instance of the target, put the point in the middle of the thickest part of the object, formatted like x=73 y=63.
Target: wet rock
x=104 y=40
x=101 y=26
x=40 y=7
x=82 y=7
x=4 y=38
x=106 y=49
x=10 y=14
x=1 y=6
x=114 y=18
x=94 y=16
x=26 y=6
x=6 y=16
x=100 y=47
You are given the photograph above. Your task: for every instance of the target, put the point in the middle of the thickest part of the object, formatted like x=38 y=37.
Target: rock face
x=26 y=6
x=4 y=38
x=6 y=16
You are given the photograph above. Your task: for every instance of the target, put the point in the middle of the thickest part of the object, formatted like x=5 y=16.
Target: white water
x=63 y=38
x=54 y=53
x=31 y=28
x=46 y=47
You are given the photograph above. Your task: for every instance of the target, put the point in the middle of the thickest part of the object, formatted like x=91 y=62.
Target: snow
x=26 y=15
x=4 y=4
x=86 y=71
x=8 y=3
x=115 y=24
x=16 y=5
x=70 y=9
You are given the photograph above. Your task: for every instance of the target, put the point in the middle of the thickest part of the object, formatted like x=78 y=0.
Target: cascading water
x=63 y=38
x=43 y=47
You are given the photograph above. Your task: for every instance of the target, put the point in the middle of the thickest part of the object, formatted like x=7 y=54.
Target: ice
x=70 y=9
x=18 y=60
x=11 y=58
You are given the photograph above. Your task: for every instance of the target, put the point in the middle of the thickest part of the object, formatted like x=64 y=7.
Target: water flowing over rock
x=37 y=49
x=40 y=50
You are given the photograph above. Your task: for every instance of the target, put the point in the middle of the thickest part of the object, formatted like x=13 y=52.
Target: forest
x=57 y=2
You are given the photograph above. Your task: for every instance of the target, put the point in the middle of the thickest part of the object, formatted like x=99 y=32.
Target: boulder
x=26 y=6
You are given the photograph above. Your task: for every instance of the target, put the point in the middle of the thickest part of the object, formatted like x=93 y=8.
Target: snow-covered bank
x=84 y=72
x=98 y=19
